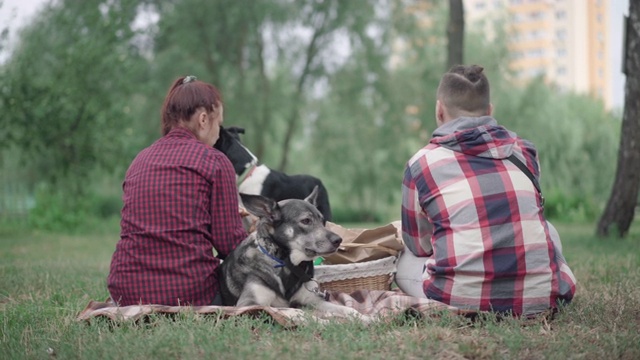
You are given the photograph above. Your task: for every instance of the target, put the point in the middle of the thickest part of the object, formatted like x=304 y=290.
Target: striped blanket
x=376 y=303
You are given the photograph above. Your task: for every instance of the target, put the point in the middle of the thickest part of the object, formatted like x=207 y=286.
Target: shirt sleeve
x=567 y=283
x=226 y=224
x=416 y=228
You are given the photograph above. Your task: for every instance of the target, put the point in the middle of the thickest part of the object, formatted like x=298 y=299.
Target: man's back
x=493 y=248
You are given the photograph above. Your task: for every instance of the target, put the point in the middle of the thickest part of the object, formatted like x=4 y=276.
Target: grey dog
x=273 y=266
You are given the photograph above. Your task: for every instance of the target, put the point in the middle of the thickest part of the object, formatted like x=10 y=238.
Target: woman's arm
x=226 y=224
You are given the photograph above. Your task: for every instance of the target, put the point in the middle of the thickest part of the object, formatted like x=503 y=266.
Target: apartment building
x=565 y=41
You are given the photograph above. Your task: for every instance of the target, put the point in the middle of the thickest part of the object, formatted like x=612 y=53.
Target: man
x=472 y=220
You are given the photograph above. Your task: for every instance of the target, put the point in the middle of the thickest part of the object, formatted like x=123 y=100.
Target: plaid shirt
x=180 y=201
x=482 y=220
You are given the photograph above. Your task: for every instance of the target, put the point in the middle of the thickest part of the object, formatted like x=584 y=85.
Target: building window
x=561 y=71
x=480 y=5
x=517 y=18
x=561 y=34
x=561 y=14
x=536 y=15
x=535 y=72
x=537 y=34
x=562 y=52
x=535 y=53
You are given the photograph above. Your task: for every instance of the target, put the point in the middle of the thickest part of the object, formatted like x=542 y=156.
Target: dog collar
x=246 y=173
x=279 y=261
x=306 y=279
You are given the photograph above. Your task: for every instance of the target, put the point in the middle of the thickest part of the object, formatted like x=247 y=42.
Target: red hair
x=184 y=98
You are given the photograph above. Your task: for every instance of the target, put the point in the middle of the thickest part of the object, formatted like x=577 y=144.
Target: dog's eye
x=306 y=221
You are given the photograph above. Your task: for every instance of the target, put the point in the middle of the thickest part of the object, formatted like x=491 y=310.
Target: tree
x=265 y=55
x=234 y=52
x=619 y=212
x=373 y=116
x=62 y=91
x=455 y=34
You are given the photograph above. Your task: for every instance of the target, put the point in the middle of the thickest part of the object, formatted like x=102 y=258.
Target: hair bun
x=189 y=78
x=473 y=73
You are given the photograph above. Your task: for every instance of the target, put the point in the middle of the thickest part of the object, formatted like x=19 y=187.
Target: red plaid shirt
x=482 y=219
x=180 y=202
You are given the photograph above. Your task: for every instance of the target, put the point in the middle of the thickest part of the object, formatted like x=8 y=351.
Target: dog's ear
x=262 y=207
x=222 y=139
x=236 y=129
x=235 y=132
x=311 y=198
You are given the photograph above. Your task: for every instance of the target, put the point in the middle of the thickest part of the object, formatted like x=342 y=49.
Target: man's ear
x=490 y=110
x=439 y=113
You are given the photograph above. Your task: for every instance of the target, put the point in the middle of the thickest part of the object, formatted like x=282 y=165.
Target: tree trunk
x=619 y=213
x=455 y=33
x=294 y=115
x=264 y=119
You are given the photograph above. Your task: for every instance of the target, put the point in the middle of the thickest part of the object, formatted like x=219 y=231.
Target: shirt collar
x=463 y=123
x=180 y=132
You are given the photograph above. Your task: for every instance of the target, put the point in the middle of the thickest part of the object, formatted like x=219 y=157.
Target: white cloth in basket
x=328 y=273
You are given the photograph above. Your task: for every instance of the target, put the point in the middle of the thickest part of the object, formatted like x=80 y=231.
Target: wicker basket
x=369 y=275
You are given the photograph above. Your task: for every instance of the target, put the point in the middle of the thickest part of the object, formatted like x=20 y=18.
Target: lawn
x=46 y=279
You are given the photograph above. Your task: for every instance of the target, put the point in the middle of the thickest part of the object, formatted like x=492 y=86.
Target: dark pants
x=217 y=300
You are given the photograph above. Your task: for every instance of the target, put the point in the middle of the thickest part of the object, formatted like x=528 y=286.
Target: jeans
x=409 y=273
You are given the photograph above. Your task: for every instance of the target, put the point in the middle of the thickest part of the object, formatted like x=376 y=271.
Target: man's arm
x=416 y=228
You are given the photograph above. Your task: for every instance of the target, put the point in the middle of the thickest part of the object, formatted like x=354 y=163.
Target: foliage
x=575 y=160
x=623 y=201
x=569 y=207
x=45 y=280
x=268 y=58
x=57 y=211
x=342 y=90
x=64 y=88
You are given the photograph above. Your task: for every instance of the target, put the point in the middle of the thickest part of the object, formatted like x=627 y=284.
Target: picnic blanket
x=376 y=303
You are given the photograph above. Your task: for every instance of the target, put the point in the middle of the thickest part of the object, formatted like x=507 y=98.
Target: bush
x=56 y=210
x=567 y=207
x=60 y=210
x=353 y=215
x=106 y=206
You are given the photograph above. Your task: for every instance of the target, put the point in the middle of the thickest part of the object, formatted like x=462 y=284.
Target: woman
x=180 y=202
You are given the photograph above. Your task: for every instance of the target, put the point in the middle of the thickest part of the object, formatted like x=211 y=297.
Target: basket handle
x=389 y=250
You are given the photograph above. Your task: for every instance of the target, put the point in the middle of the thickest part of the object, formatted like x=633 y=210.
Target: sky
x=618 y=9
x=16 y=13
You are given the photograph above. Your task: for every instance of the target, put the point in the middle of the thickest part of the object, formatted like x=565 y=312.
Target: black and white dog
x=273 y=266
x=258 y=179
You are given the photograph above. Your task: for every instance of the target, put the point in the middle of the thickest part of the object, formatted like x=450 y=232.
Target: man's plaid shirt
x=180 y=202
x=482 y=219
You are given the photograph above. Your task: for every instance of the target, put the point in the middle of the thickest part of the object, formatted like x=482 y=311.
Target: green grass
x=46 y=279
